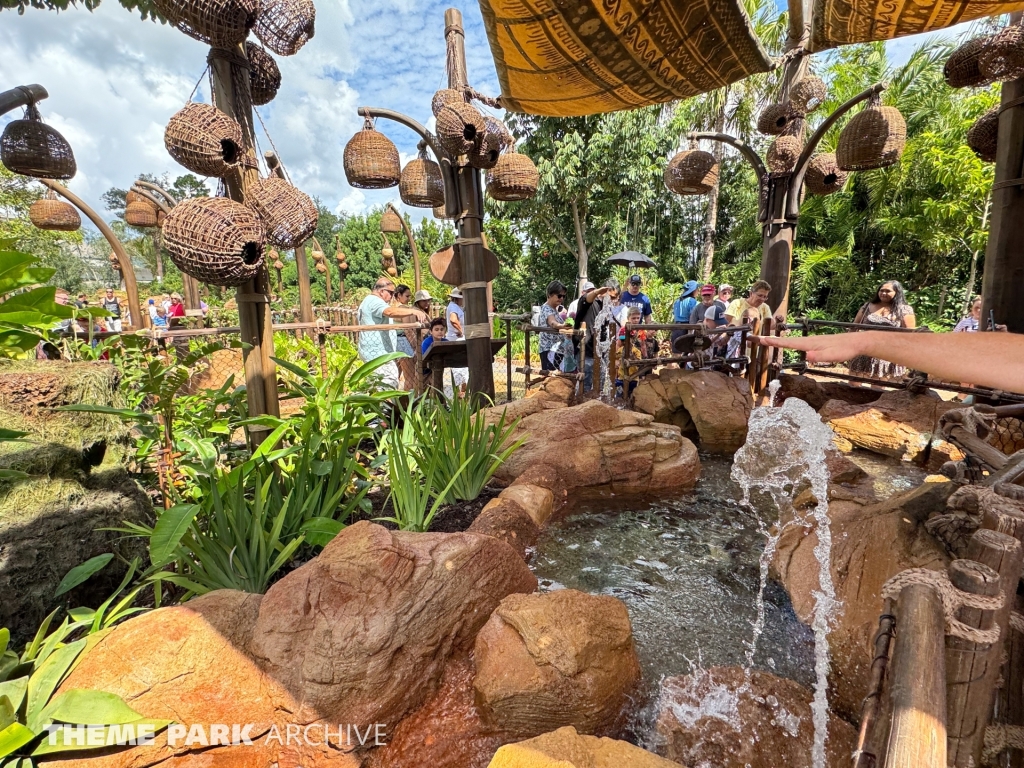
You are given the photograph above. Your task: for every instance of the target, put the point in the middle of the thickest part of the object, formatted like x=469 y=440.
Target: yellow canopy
x=581 y=57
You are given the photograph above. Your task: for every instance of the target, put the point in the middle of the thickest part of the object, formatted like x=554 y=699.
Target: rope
x=272 y=146
x=200 y=80
x=1017 y=621
x=952 y=600
x=974 y=420
x=473 y=93
x=999 y=737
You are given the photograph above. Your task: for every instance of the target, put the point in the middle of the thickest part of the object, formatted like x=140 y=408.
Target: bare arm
x=400 y=311
x=453 y=320
x=988 y=359
x=909 y=321
x=861 y=314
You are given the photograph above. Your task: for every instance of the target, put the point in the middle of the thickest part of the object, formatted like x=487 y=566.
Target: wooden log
x=1009 y=708
x=917 y=732
x=868 y=739
x=969 y=680
x=978 y=448
x=1006 y=520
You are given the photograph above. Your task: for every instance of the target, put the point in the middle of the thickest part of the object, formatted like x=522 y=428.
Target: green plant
x=26 y=312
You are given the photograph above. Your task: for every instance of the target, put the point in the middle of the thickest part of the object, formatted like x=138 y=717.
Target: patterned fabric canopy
x=580 y=57
x=841 y=22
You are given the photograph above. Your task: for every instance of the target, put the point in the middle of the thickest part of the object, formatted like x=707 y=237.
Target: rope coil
x=952 y=600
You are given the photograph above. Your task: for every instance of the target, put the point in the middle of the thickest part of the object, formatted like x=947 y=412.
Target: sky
x=115 y=80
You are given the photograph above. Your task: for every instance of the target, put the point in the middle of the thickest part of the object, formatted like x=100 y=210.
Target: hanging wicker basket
x=808 y=94
x=264 y=74
x=783 y=153
x=288 y=214
x=56 y=215
x=134 y=197
x=440 y=213
x=691 y=172
x=115 y=263
x=204 y=139
x=458 y=127
x=215 y=240
x=321 y=268
x=284 y=26
x=219 y=23
x=371 y=160
x=141 y=214
x=30 y=147
x=824 y=176
x=160 y=218
x=874 y=138
x=983 y=136
x=488 y=148
x=962 y=68
x=514 y=177
x=445 y=96
x=1002 y=58
x=494 y=125
x=774 y=119
x=421 y=184
x=278 y=264
x=390 y=221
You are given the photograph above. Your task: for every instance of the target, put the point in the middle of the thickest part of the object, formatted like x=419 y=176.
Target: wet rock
x=538 y=502
x=362 y=633
x=565 y=748
x=546 y=476
x=817 y=393
x=556 y=659
x=720 y=718
x=506 y=520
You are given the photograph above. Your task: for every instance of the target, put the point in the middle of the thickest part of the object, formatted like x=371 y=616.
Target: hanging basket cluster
x=387 y=258
x=55 y=215
x=215 y=240
x=340 y=258
x=275 y=260
x=775 y=118
x=141 y=213
x=30 y=147
x=874 y=138
x=288 y=214
x=691 y=172
x=460 y=126
x=442 y=97
x=783 y=154
x=513 y=177
x=219 y=23
x=264 y=75
x=284 y=26
x=319 y=260
x=204 y=140
x=1002 y=57
x=983 y=137
x=421 y=185
x=390 y=221
x=371 y=160
x=807 y=94
x=824 y=176
x=962 y=68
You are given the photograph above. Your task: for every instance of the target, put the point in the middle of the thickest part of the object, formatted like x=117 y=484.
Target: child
x=638 y=343
x=160 y=317
x=438 y=328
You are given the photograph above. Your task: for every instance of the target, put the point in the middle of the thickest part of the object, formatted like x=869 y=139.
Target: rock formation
x=565 y=748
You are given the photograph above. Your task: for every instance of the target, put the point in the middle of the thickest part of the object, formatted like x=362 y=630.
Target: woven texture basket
x=874 y=138
x=219 y=23
x=284 y=26
x=514 y=177
x=141 y=213
x=494 y=125
x=774 y=119
x=808 y=94
x=488 y=148
x=371 y=160
x=161 y=217
x=983 y=137
x=264 y=75
x=204 y=139
x=30 y=147
x=458 y=127
x=134 y=197
x=691 y=172
x=962 y=68
x=55 y=215
x=445 y=96
x=824 y=176
x=439 y=213
x=389 y=221
x=421 y=184
x=1003 y=57
x=215 y=240
x=783 y=153
x=288 y=214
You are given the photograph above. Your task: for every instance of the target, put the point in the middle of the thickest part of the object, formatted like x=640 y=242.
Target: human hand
x=1002 y=328
x=820 y=349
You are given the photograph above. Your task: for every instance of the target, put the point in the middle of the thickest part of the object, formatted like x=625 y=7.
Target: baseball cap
x=708 y=290
x=725 y=287
x=587 y=286
x=635 y=280
x=422 y=296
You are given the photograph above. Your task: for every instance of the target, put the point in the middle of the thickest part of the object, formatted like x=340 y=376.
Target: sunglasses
x=560 y=295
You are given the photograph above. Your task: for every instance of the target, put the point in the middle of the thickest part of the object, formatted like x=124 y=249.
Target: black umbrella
x=632 y=259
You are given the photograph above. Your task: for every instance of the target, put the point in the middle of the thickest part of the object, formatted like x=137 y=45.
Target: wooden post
x=869 y=737
x=508 y=361
x=301 y=263
x=917 y=734
x=527 y=370
x=231 y=93
x=969 y=674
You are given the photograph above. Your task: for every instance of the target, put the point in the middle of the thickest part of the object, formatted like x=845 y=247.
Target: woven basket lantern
x=371 y=160
x=390 y=221
x=161 y=217
x=115 y=263
x=264 y=74
x=141 y=214
x=204 y=139
x=824 y=176
x=458 y=126
x=440 y=213
x=215 y=240
x=134 y=197
x=984 y=135
x=783 y=153
x=278 y=264
x=874 y=138
x=808 y=94
x=321 y=268
x=962 y=68
x=284 y=26
x=56 y=215
x=1002 y=58
x=494 y=125
x=30 y=147
x=288 y=213
x=691 y=172
x=421 y=184
x=445 y=96
x=774 y=119
x=514 y=177
x=220 y=23
x=488 y=148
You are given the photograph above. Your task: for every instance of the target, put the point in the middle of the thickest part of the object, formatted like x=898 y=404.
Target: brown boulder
x=565 y=748
x=506 y=520
x=538 y=502
x=725 y=718
x=554 y=389
x=817 y=393
x=361 y=634
x=556 y=659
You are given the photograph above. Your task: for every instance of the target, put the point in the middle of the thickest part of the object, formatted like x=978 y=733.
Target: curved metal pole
x=744 y=149
x=800 y=170
x=21 y=96
x=412 y=246
x=140 y=318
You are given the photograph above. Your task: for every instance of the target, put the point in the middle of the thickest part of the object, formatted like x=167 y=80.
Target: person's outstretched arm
x=987 y=359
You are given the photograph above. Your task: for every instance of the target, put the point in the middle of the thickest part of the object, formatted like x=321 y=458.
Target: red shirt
x=176 y=310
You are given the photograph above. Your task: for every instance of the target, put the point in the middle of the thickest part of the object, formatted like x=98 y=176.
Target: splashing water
x=773 y=391
x=785 y=450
